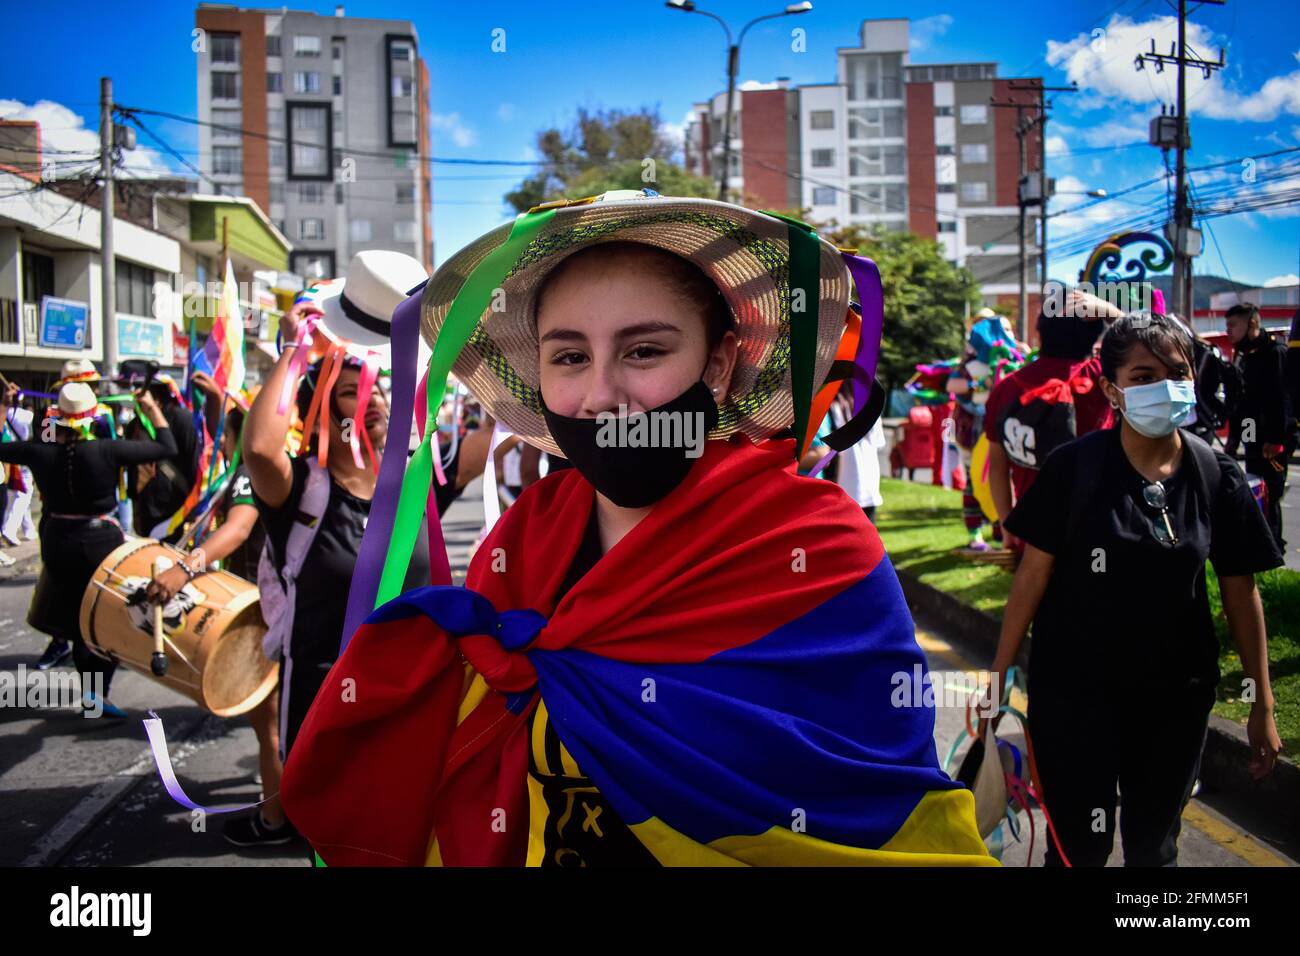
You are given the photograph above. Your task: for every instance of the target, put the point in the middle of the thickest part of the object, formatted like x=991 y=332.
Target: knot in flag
x=493 y=642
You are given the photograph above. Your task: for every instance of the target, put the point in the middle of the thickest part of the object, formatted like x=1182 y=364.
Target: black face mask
x=619 y=458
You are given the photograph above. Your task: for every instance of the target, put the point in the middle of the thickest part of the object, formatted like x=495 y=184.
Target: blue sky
x=562 y=55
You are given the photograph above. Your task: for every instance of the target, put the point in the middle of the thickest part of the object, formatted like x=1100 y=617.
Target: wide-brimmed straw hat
x=746 y=253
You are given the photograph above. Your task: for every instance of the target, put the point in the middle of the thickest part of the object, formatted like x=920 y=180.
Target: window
x=975 y=192
x=403 y=86
x=943 y=151
x=227 y=160
x=943 y=111
x=306 y=46
x=822 y=158
x=272 y=46
x=974 y=153
x=947 y=225
x=821 y=119
x=974 y=115
x=312 y=265
x=226 y=124
x=134 y=289
x=306 y=82
x=945 y=187
x=309 y=141
x=401 y=52
x=275 y=83
x=276 y=191
x=225 y=86
x=336 y=85
x=225 y=47
x=311 y=228
x=823 y=196
x=275 y=121
x=865 y=200
x=404 y=128
x=406 y=230
x=873 y=122
x=311 y=193
x=404 y=192
x=338 y=194
x=336 y=50
x=280 y=225
x=359 y=230
x=275 y=153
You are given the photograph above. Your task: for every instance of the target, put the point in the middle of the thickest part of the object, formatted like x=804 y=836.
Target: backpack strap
x=302 y=534
x=1207 y=466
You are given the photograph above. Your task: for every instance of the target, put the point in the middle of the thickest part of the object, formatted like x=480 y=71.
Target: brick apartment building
x=890 y=143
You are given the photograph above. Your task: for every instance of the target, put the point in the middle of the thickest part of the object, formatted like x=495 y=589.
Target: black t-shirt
x=326 y=575
x=1121 y=607
x=243 y=560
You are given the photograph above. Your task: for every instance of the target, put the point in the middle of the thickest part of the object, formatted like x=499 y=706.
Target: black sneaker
x=55 y=654
x=253 y=831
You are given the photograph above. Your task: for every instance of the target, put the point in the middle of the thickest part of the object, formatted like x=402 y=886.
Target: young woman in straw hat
x=77 y=478
x=676 y=652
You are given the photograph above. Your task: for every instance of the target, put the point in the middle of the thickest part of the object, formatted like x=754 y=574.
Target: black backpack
x=1029 y=432
x=1212 y=372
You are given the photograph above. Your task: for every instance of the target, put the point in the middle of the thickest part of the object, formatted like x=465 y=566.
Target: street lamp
x=733 y=62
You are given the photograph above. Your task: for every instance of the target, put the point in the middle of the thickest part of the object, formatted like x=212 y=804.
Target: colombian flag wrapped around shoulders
x=722 y=674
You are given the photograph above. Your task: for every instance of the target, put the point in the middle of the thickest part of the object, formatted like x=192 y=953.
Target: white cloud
x=756 y=85
x=1103 y=62
x=506 y=112
x=450 y=123
x=925 y=31
x=1277 y=281
x=74 y=149
x=1057 y=146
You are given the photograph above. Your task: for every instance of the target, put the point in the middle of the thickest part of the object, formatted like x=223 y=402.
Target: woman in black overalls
x=77 y=477
x=1124 y=662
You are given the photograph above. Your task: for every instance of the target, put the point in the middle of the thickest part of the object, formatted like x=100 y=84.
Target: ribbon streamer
x=162 y=759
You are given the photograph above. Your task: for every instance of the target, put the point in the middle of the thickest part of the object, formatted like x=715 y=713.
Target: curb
x=1225 y=758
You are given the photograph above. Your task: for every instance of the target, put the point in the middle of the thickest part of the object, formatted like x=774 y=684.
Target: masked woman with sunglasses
x=1124 y=661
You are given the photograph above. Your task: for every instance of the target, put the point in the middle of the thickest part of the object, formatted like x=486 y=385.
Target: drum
x=212 y=629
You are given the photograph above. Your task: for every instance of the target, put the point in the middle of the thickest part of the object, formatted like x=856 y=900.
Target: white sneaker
x=6 y=561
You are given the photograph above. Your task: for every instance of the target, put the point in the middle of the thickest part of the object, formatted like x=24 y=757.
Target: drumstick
x=158 y=663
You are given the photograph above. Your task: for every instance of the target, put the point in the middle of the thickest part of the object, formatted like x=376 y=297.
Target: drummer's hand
x=10 y=396
x=164 y=587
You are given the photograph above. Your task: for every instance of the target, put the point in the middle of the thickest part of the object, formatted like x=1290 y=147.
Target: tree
x=926 y=298
x=603 y=150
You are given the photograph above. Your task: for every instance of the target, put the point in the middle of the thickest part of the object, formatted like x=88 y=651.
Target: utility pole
x=108 y=270
x=1044 y=191
x=1185 y=241
x=1023 y=126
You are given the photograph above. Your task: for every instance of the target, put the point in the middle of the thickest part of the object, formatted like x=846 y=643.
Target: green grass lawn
x=921 y=525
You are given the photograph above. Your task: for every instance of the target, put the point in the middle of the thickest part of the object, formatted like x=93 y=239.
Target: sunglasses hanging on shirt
x=1153 y=493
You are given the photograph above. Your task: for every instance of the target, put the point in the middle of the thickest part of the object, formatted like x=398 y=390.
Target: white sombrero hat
x=78 y=370
x=77 y=404
x=747 y=254
x=358 y=309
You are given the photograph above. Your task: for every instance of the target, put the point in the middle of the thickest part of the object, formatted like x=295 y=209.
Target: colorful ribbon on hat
x=466 y=310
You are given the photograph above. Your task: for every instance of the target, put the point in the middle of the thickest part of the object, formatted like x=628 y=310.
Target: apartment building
x=322 y=121
x=890 y=144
